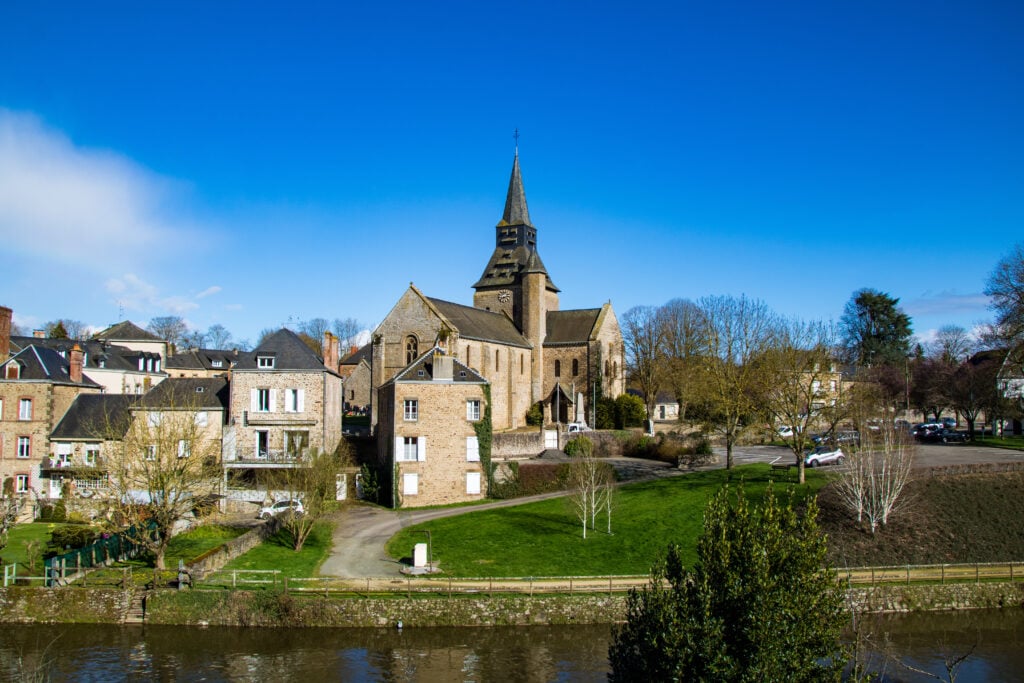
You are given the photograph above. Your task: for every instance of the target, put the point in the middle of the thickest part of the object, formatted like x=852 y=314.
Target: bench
x=781 y=466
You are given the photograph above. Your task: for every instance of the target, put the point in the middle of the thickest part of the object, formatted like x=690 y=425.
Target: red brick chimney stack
x=330 y=352
x=6 y=315
x=39 y=334
x=76 y=360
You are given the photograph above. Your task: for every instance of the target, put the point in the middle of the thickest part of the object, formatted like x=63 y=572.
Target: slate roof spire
x=516 y=211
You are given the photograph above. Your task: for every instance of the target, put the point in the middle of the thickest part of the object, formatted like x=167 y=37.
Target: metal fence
x=60 y=569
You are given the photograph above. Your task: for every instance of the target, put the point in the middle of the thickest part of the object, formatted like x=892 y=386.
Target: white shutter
x=254 y=397
x=410 y=484
x=472 y=449
x=472 y=483
x=421 y=449
x=399 y=448
x=273 y=400
x=302 y=400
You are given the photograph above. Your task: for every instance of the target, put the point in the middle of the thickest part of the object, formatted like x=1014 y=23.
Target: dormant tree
x=684 y=348
x=164 y=468
x=592 y=484
x=642 y=336
x=798 y=377
x=171 y=328
x=347 y=331
x=872 y=479
x=739 y=332
x=218 y=336
x=1006 y=287
x=314 y=480
x=952 y=345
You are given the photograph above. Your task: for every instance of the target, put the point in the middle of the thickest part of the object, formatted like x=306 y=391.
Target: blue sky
x=248 y=163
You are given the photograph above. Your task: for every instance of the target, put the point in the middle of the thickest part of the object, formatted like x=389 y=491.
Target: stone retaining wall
x=512 y=445
x=220 y=556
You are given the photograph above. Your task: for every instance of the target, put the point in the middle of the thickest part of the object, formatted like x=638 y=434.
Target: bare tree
x=312 y=333
x=193 y=339
x=164 y=467
x=800 y=380
x=1006 y=287
x=952 y=345
x=739 y=331
x=314 y=481
x=872 y=479
x=72 y=329
x=590 y=482
x=347 y=331
x=642 y=336
x=684 y=348
x=218 y=336
x=171 y=328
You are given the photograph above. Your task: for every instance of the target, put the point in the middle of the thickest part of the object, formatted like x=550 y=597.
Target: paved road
x=361 y=531
x=928 y=455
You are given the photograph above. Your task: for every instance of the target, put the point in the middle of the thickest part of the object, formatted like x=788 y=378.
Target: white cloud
x=946 y=302
x=59 y=201
x=133 y=293
x=209 y=291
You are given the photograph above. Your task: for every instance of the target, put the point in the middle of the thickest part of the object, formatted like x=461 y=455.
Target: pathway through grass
x=545 y=538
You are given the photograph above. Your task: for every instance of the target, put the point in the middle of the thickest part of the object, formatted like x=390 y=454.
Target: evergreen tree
x=759 y=605
x=875 y=331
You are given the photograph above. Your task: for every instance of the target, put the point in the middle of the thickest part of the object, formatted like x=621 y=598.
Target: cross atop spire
x=516 y=136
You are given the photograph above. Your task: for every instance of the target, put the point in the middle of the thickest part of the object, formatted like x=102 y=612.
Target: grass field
x=1014 y=442
x=16 y=552
x=191 y=544
x=545 y=538
x=277 y=553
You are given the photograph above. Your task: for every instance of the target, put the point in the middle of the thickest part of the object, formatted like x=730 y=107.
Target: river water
x=564 y=653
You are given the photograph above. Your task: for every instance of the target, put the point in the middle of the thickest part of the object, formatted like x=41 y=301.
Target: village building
x=201 y=363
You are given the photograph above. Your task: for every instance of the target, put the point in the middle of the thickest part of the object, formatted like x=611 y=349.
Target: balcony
x=269 y=458
x=71 y=466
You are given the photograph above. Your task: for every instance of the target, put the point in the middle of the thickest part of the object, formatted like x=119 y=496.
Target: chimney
x=329 y=349
x=352 y=349
x=337 y=354
x=443 y=370
x=76 y=361
x=39 y=334
x=5 y=332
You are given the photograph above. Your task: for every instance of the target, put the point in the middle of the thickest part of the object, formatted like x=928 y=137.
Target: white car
x=293 y=506
x=824 y=455
x=576 y=427
x=785 y=431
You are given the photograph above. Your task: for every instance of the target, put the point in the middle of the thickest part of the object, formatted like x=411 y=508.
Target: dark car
x=942 y=436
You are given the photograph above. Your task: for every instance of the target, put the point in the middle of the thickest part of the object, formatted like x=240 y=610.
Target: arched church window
x=520 y=364
x=558 y=368
x=469 y=363
x=575 y=367
x=615 y=368
x=411 y=349
x=497 y=360
x=607 y=368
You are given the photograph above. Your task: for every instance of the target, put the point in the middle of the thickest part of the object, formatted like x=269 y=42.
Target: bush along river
x=897 y=644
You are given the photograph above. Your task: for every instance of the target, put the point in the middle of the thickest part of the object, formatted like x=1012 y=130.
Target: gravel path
x=361 y=530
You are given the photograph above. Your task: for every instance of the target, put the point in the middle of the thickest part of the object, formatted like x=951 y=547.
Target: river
x=564 y=653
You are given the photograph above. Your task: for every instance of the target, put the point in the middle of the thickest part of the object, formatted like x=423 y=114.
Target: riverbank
x=279 y=608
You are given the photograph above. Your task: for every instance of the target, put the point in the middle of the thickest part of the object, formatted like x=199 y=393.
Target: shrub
x=629 y=411
x=535 y=415
x=543 y=478
x=71 y=537
x=605 y=418
x=580 y=446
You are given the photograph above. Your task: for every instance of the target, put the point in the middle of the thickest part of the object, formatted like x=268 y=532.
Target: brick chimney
x=443 y=367
x=76 y=360
x=6 y=315
x=39 y=334
x=330 y=351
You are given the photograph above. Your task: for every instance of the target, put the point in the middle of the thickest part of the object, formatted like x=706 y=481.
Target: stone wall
x=71 y=605
x=221 y=555
x=517 y=445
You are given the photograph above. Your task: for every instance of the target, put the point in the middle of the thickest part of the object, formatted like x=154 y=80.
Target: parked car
x=925 y=427
x=824 y=455
x=849 y=437
x=293 y=506
x=948 y=422
x=577 y=427
x=785 y=431
x=942 y=436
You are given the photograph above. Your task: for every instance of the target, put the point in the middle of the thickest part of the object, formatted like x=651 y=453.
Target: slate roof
x=289 y=351
x=425 y=364
x=361 y=354
x=188 y=393
x=481 y=325
x=126 y=331
x=201 y=359
x=571 y=327
x=41 y=363
x=112 y=356
x=516 y=211
x=95 y=416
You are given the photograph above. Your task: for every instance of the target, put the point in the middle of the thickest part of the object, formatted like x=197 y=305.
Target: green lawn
x=15 y=552
x=1014 y=442
x=545 y=538
x=191 y=544
x=277 y=553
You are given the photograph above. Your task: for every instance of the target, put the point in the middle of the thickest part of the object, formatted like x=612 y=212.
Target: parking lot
x=927 y=455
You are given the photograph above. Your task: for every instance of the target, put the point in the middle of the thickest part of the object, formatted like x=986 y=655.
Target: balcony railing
x=271 y=457
x=57 y=464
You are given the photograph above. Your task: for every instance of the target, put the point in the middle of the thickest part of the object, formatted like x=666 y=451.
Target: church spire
x=516 y=212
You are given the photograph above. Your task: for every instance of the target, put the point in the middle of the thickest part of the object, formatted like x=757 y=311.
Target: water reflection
x=567 y=653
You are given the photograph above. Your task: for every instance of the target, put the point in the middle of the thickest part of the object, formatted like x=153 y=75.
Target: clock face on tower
x=504 y=296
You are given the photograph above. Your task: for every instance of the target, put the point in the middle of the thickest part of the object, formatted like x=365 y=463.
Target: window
x=25 y=409
x=184 y=448
x=263 y=400
x=575 y=367
x=469 y=362
x=24 y=446
x=410 y=484
x=473 y=483
x=411 y=349
x=92 y=454
x=62 y=455
x=154 y=418
x=410 y=451
x=472 y=449
x=816 y=387
x=21 y=483
x=497 y=360
x=1 y=409
x=558 y=368
x=217 y=363
x=294 y=400
x=473 y=409
x=832 y=385
x=296 y=443
x=265 y=362
x=521 y=363
x=411 y=410
x=13 y=370
x=202 y=418
x=262 y=445
x=151 y=452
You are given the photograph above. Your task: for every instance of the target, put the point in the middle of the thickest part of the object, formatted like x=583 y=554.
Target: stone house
x=514 y=334
x=356 y=376
x=37 y=386
x=285 y=400
x=131 y=336
x=118 y=369
x=427 y=435
x=83 y=442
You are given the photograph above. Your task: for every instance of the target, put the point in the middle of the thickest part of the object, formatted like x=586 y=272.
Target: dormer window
x=217 y=363
x=13 y=370
x=265 y=362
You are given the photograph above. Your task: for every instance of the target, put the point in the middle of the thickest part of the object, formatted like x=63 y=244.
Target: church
x=514 y=335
